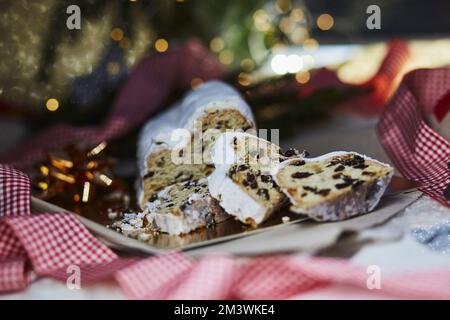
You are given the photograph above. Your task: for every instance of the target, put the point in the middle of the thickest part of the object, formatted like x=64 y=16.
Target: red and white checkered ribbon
x=176 y=276
x=51 y=243
x=47 y=243
x=419 y=152
x=154 y=278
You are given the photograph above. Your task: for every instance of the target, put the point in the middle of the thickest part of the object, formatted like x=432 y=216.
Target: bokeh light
x=297 y=15
x=117 y=34
x=282 y=64
x=161 y=45
x=217 y=44
x=247 y=64
x=303 y=77
x=262 y=21
x=52 y=104
x=244 y=79
x=325 y=22
x=226 y=56
x=310 y=44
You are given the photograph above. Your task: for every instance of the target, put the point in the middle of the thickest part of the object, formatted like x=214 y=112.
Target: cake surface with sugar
x=334 y=186
x=206 y=112
x=242 y=181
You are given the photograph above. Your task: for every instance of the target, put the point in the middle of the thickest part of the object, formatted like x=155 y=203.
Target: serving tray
x=227 y=230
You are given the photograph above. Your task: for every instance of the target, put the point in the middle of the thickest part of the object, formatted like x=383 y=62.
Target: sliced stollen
x=242 y=181
x=334 y=186
x=184 y=207
x=175 y=146
x=177 y=209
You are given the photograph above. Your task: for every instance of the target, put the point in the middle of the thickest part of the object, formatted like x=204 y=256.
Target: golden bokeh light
x=161 y=45
x=303 y=77
x=89 y=175
x=44 y=170
x=226 y=56
x=310 y=44
x=299 y=35
x=247 y=64
x=287 y=25
x=43 y=185
x=297 y=15
x=262 y=20
x=325 y=22
x=217 y=44
x=52 y=104
x=244 y=79
x=117 y=34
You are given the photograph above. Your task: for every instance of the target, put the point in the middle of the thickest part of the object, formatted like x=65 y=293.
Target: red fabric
x=375 y=92
x=443 y=107
x=383 y=83
x=419 y=152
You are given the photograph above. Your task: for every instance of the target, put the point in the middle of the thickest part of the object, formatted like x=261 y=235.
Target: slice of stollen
x=334 y=186
x=177 y=209
x=184 y=207
x=241 y=180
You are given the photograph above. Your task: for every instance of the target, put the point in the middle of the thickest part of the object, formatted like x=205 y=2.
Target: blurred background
x=40 y=59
